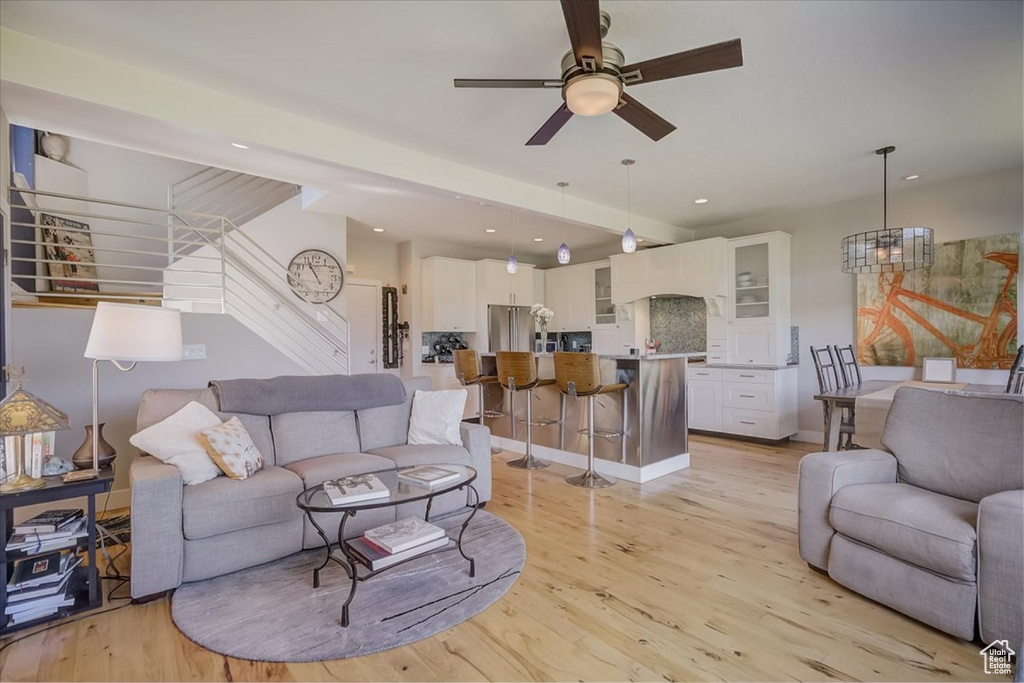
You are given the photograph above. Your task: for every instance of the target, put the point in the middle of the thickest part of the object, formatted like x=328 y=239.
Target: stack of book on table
x=40 y=585
x=355 y=489
x=392 y=543
x=66 y=531
x=427 y=476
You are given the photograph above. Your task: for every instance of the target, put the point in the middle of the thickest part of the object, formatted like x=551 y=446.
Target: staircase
x=183 y=257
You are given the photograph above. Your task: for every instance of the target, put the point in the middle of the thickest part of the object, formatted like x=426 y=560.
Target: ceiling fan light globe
x=593 y=95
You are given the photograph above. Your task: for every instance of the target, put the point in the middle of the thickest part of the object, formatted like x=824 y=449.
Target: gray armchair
x=934 y=525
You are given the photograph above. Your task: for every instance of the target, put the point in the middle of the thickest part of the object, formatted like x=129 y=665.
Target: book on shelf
x=22 y=612
x=355 y=489
x=45 y=541
x=404 y=534
x=43 y=591
x=39 y=570
x=35 y=461
x=377 y=558
x=51 y=520
x=427 y=476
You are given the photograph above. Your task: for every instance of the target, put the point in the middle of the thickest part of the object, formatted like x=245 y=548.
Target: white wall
x=372 y=256
x=50 y=344
x=824 y=298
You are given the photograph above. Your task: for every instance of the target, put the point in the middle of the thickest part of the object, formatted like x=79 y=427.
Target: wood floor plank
x=693 y=576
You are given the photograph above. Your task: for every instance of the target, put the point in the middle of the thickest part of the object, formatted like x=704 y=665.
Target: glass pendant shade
x=513 y=265
x=564 y=255
x=892 y=250
x=629 y=241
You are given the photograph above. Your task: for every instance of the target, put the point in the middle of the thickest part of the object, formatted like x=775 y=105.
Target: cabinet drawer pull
x=748 y=376
x=702 y=374
x=744 y=422
x=747 y=396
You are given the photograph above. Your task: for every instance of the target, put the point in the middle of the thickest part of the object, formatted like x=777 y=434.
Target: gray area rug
x=272 y=612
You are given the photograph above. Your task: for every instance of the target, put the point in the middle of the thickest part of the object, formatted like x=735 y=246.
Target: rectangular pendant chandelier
x=890 y=250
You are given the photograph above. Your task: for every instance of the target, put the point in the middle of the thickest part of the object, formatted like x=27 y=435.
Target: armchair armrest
x=477 y=440
x=158 y=542
x=820 y=476
x=1001 y=566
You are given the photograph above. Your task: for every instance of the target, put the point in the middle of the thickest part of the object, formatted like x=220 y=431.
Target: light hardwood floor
x=695 y=576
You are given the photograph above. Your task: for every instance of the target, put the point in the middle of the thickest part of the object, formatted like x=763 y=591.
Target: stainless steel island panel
x=653 y=405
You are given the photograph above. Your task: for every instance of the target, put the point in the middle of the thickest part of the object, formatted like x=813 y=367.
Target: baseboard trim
x=809 y=437
x=637 y=475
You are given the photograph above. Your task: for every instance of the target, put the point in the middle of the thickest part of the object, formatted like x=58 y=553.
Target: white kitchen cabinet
x=688 y=269
x=758 y=305
x=571 y=292
x=442 y=377
x=449 y=295
x=556 y=297
x=606 y=340
x=581 y=298
x=758 y=403
x=704 y=399
x=495 y=285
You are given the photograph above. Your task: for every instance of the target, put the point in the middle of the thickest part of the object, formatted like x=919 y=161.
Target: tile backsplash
x=680 y=323
x=447 y=341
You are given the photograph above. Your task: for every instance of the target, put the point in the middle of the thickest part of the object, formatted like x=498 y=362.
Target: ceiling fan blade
x=643 y=119
x=700 y=60
x=507 y=83
x=583 y=20
x=551 y=126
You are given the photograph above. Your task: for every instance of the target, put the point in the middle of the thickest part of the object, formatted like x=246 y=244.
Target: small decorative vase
x=543 y=337
x=54 y=146
x=83 y=456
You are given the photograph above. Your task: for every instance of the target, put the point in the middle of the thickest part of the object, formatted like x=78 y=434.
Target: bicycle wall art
x=963 y=307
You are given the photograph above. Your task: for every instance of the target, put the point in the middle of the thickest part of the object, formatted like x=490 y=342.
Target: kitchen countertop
x=738 y=366
x=626 y=356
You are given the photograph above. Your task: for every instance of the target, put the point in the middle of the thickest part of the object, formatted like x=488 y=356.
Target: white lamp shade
x=129 y=332
x=593 y=95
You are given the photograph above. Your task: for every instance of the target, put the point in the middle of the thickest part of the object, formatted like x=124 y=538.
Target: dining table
x=834 y=402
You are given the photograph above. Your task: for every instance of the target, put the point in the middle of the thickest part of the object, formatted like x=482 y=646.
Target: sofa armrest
x=158 y=543
x=820 y=476
x=477 y=440
x=1001 y=566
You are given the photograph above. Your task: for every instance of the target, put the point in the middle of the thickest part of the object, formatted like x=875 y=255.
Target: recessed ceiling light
x=378 y=229
x=702 y=200
x=490 y=230
x=239 y=145
x=913 y=176
x=538 y=239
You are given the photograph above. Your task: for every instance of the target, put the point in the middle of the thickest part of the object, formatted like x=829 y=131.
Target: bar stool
x=579 y=375
x=517 y=371
x=469 y=373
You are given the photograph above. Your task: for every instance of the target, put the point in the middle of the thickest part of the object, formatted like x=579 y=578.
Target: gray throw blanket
x=298 y=394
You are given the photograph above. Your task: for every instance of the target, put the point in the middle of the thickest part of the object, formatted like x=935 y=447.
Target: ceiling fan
x=594 y=74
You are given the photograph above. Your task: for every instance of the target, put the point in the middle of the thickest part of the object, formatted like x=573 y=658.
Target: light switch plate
x=193 y=351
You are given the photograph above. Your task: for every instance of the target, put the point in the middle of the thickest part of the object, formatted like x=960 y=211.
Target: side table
x=55 y=490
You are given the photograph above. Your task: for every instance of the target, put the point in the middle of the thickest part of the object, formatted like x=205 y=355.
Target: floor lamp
x=126 y=334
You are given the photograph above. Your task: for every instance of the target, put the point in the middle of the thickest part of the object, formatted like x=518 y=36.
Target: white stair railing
x=127 y=252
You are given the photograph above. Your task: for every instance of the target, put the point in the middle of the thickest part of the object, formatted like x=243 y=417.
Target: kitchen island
x=652 y=409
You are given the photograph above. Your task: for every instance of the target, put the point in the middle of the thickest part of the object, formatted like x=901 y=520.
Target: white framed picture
x=938 y=370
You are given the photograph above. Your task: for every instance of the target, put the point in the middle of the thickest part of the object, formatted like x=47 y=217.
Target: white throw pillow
x=436 y=416
x=177 y=441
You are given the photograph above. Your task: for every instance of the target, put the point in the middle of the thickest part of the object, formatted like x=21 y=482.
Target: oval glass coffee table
x=316 y=500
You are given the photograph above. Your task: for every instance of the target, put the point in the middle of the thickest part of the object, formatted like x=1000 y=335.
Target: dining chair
x=827 y=371
x=849 y=369
x=1015 y=384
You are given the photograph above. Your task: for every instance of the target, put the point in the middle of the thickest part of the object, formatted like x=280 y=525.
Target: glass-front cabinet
x=604 y=310
x=758 y=309
x=752 y=282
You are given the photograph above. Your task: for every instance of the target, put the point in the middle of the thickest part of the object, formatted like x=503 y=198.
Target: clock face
x=315 y=276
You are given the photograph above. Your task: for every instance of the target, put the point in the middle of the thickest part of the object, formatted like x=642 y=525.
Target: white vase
x=54 y=146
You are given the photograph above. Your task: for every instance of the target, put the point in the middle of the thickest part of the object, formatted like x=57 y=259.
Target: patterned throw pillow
x=232 y=449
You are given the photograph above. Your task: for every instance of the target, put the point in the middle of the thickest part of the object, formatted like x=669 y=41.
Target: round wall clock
x=316 y=276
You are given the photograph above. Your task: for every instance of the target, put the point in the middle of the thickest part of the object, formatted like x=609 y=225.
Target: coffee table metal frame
x=350 y=563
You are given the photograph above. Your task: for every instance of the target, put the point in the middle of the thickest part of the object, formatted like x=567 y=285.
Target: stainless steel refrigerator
x=510 y=328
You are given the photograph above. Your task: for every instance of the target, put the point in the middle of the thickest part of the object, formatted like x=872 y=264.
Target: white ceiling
x=824 y=83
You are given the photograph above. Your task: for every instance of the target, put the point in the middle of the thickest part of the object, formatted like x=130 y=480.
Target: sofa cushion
x=389 y=425
x=157 y=404
x=410 y=455
x=315 y=471
x=298 y=436
x=926 y=529
x=956 y=443
x=223 y=504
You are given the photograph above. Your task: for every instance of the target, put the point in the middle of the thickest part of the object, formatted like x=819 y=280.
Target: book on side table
x=355 y=489
x=427 y=476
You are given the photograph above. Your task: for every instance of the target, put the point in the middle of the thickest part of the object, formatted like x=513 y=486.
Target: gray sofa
x=934 y=525
x=189 y=533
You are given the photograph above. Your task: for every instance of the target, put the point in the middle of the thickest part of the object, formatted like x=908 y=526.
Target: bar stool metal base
x=528 y=462
x=590 y=480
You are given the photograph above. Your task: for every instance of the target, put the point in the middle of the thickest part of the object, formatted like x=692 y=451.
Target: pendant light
x=889 y=250
x=564 y=255
x=629 y=237
x=512 y=266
